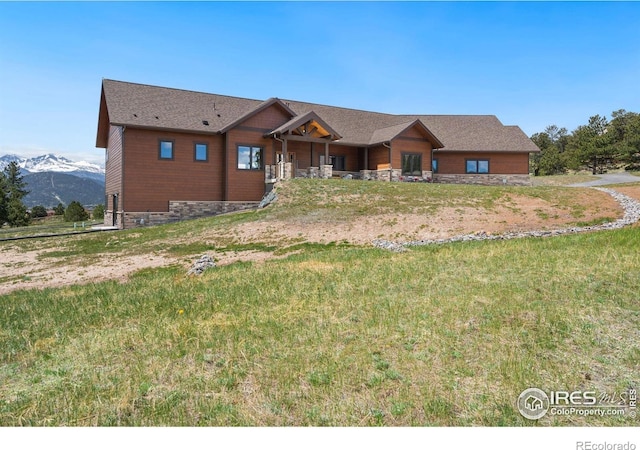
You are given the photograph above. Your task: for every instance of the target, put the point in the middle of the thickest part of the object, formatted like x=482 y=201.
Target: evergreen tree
x=17 y=215
x=59 y=210
x=13 y=190
x=75 y=212
x=4 y=199
x=15 y=181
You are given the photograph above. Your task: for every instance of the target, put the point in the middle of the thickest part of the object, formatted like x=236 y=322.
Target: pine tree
x=15 y=181
x=13 y=190
x=4 y=199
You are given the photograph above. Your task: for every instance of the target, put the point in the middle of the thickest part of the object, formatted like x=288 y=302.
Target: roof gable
x=308 y=124
x=387 y=134
x=259 y=108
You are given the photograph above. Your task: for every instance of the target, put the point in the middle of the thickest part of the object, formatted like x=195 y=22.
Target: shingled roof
x=144 y=106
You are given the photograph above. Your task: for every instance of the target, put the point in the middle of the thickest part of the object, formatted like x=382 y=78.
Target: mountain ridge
x=51 y=162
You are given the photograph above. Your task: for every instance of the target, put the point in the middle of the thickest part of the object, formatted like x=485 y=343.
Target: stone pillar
x=365 y=174
x=326 y=171
x=396 y=174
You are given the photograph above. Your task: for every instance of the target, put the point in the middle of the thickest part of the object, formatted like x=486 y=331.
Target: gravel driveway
x=609 y=178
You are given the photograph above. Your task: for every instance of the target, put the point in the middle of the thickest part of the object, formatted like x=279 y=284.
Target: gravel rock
x=202 y=264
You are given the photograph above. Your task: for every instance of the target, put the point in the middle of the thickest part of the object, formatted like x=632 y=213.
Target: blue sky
x=531 y=64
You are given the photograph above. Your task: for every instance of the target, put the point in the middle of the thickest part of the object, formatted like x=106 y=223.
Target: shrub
x=38 y=211
x=98 y=212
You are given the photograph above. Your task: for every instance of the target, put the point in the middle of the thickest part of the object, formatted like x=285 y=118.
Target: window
x=338 y=162
x=200 y=152
x=249 y=158
x=434 y=166
x=412 y=164
x=166 y=149
x=477 y=165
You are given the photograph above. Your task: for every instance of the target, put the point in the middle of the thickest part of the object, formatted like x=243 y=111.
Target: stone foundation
x=483 y=179
x=196 y=209
x=182 y=210
x=145 y=219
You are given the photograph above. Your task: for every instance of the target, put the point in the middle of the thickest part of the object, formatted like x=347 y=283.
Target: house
x=174 y=154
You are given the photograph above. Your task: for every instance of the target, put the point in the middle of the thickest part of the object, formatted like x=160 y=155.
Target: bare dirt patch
x=514 y=213
x=23 y=269
x=631 y=191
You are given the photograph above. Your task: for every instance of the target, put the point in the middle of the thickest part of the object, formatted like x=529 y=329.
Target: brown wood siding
x=113 y=167
x=499 y=162
x=405 y=144
x=248 y=185
x=150 y=182
x=378 y=155
x=242 y=184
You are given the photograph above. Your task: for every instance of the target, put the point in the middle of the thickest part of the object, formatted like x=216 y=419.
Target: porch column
x=326 y=153
x=366 y=158
x=284 y=149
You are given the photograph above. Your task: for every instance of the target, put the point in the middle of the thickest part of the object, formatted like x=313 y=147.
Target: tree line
x=599 y=145
x=13 y=211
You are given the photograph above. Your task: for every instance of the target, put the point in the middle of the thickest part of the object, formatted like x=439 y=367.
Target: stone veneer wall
x=484 y=179
x=183 y=210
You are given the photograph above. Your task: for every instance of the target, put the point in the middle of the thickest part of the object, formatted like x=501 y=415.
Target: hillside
x=50 y=188
x=304 y=323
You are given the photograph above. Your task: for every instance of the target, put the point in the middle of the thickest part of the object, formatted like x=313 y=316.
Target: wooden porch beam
x=293 y=137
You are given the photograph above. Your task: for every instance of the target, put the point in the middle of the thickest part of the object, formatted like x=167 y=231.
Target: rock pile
x=203 y=263
x=630 y=206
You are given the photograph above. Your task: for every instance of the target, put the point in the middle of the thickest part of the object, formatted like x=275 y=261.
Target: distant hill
x=50 y=188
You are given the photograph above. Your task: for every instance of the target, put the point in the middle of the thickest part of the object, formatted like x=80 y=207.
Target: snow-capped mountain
x=53 y=179
x=54 y=163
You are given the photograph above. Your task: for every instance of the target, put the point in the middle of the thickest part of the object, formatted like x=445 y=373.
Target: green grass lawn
x=50 y=225
x=332 y=335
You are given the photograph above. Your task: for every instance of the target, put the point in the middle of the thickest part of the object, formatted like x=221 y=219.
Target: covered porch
x=308 y=147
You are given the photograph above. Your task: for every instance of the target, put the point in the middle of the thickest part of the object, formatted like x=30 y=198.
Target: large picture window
x=166 y=149
x=412 y=164
x=477 y=166
x=249 y=158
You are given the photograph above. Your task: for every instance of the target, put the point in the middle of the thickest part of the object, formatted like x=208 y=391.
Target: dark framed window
x=338 y=162
x=200 y=151
x=412 y=164
x=434 y=166
x=477 y=166
x=249 y=157
x=165 y=150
